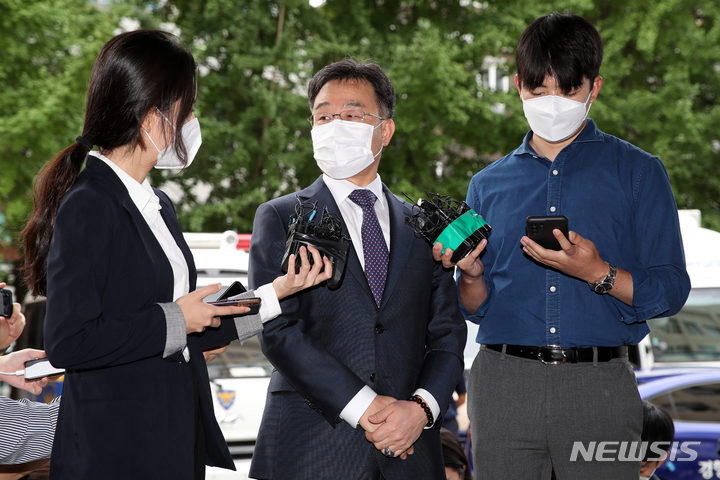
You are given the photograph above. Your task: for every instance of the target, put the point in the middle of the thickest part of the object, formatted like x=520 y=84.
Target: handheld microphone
x=326 y=236
x=454 y=224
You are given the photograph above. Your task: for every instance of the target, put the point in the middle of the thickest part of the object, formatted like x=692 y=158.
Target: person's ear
x=388 y=130
x=150 y=119
x=157 y=127
x=596 y=86
x=518 y=86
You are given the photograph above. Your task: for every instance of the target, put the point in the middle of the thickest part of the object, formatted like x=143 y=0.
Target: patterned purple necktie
x=375 y=249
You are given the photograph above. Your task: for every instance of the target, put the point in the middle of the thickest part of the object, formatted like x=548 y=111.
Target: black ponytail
x=52 y=182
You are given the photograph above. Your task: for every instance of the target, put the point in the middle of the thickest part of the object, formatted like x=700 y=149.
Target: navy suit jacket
x=126 y=411
x=327 y=345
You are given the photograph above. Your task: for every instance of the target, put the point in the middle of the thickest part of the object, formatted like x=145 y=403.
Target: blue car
x=693 y=401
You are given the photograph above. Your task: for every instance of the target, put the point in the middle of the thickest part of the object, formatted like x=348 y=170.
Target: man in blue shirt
x=554 y=326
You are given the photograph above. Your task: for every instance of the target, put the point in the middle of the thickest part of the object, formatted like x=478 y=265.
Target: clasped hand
x=394 y=424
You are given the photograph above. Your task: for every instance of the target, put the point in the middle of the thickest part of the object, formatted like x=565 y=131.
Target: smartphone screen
x=540 y=228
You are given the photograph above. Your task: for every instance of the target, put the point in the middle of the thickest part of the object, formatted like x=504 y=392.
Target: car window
x=697 y=403
x=691 y=335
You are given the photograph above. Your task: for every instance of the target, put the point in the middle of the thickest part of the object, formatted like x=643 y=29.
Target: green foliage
x=661 y=75
x=661 y=80
x=661 y=89
x=47 y=51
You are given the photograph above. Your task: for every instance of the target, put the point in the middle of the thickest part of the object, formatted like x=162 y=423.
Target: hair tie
x=84 y=142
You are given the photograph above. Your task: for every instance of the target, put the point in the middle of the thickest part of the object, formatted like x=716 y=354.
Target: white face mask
x=343 y=149
x=555 y=118
x=192 y=138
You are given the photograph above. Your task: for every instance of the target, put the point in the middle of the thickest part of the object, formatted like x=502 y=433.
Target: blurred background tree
x=451 y=62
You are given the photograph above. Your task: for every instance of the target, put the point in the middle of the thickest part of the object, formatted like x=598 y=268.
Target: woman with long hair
x=123 y=316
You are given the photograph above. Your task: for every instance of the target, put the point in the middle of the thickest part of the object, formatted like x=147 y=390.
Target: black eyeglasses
x=322 y=118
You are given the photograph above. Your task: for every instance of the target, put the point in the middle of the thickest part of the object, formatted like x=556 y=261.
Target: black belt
x=554 y=354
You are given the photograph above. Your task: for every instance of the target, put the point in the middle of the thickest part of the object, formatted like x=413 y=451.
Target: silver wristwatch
x=606 y=284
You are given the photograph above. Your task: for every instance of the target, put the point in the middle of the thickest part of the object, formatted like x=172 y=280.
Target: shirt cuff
x=270 y=306
x=176 y=338
x=356 y=407
x=431 y=402
x=248 y=325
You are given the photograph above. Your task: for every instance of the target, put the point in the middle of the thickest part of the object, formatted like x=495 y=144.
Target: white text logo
x=633 y=451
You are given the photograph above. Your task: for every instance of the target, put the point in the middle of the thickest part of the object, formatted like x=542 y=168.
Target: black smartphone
x=540 y=228
x=252 y=302
x=7 y=303
x=235 y=288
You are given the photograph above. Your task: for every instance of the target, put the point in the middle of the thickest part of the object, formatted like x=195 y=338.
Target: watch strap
x=606 y=284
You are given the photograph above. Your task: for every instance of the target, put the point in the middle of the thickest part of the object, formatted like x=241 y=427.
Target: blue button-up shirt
x=613 y=194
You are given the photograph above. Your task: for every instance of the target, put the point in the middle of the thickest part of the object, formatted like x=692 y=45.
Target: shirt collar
x=588 y=134
x=140 y=193
x=341 y=189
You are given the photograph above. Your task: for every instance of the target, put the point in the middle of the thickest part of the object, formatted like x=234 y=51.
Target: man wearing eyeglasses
x=363 y=372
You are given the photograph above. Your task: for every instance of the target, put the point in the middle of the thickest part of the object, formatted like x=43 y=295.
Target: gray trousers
x=525 y=417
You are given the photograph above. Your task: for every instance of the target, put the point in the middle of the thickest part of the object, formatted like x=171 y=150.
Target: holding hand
x=579 y=256
x=14 y=362
x=471 y=284
x=308 y=276
x=200 y=315
x=11 y=328
x=471 y=265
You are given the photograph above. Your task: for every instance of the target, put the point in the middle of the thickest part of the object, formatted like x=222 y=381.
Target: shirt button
x=552 y=289
x=552 y=209
x=379 y=328
x=552 y=330
x=555 y=172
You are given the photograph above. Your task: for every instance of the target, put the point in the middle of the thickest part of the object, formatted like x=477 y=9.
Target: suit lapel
x=158 y=260
x=401 y=238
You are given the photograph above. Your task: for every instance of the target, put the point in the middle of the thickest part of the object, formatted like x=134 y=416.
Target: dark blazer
x=328 y=344
x=126 y=412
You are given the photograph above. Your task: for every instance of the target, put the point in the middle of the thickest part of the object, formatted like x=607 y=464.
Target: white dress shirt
x=148 y=203
x=352 y=216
